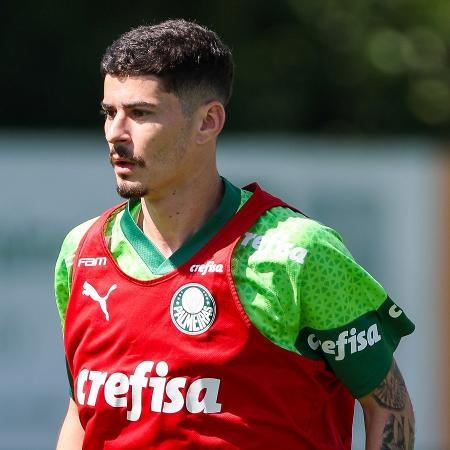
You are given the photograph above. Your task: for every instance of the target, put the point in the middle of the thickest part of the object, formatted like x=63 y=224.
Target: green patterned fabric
x=295 y=279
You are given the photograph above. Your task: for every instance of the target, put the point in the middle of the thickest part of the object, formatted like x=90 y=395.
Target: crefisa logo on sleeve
x=193 y=309
x=349 y=341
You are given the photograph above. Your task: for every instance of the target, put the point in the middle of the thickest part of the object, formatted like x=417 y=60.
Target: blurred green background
x=351 y=66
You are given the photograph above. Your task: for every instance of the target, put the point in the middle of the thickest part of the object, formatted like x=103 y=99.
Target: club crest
x=193 y=309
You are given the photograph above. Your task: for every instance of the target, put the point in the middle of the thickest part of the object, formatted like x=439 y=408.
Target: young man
x=203 y=316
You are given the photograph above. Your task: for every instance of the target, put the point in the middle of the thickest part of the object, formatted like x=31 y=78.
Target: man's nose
x=116 y=129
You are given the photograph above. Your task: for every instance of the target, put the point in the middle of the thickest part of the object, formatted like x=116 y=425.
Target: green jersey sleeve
x=347 y=318
x=63 y=268
x=63 y=275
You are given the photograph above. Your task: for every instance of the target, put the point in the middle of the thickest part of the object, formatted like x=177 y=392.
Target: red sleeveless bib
x=175 y=363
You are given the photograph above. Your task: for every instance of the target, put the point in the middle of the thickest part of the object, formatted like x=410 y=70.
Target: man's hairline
x=186 y=108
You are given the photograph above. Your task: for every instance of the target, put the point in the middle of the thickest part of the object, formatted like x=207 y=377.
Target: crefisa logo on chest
x=193 y=309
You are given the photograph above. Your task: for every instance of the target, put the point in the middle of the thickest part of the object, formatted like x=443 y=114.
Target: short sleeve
x=63 y=267
x=62 y=280
x=347 y=318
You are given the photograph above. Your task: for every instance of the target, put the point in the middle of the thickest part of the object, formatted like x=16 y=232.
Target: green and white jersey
x=297 y=282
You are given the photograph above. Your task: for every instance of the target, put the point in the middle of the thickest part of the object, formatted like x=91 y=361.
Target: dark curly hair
x=189 y=59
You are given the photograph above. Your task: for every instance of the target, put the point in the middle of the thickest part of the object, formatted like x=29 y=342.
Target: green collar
x=152 y=257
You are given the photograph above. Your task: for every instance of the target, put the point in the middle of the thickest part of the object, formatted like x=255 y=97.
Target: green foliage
x=349 y=66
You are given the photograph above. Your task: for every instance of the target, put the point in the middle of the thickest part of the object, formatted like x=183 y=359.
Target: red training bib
x=175 y=363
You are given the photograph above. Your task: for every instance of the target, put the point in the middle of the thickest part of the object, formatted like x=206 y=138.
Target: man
x=203 y=316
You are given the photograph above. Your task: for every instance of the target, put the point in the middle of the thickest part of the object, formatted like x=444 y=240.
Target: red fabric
x=259 y=395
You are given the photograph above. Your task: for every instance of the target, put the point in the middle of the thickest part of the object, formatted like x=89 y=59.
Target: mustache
x=122 y=151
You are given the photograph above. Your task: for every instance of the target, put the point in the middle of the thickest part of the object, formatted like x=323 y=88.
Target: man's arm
x=72 y=433
x=388 y=414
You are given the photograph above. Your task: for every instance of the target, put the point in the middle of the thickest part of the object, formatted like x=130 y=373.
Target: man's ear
x=211 y=119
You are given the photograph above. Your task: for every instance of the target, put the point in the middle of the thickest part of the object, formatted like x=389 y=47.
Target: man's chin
x=131 y=191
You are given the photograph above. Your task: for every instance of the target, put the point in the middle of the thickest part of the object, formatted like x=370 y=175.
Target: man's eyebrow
x=137 y=104
x=130 y=105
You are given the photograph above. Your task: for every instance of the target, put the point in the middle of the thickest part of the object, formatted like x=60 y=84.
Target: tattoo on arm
x=391 y=394
x=398 y=434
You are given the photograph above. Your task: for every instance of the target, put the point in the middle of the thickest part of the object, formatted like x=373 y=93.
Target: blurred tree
x=378 y=66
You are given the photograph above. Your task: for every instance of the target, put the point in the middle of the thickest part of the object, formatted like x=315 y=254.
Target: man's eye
x=107 y=114
x=140 y=113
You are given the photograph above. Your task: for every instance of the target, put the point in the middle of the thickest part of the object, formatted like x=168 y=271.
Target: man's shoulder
x=64 y=263
x=284 y=235
x=75 y=235
x=73 y=239
x=290 y=225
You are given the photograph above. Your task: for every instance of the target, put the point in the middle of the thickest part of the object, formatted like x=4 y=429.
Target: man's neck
x=172 y=219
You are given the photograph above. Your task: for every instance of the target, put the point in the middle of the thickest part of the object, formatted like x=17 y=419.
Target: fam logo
x=193 y=309
x=92 y=262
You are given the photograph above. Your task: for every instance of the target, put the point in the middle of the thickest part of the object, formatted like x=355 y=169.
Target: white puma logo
x=90 y=291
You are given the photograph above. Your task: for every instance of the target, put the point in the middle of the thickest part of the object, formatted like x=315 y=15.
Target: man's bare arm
x=388 y=414
x=72 y=433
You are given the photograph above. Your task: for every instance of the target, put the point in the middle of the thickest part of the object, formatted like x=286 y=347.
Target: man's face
x=149 y=137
